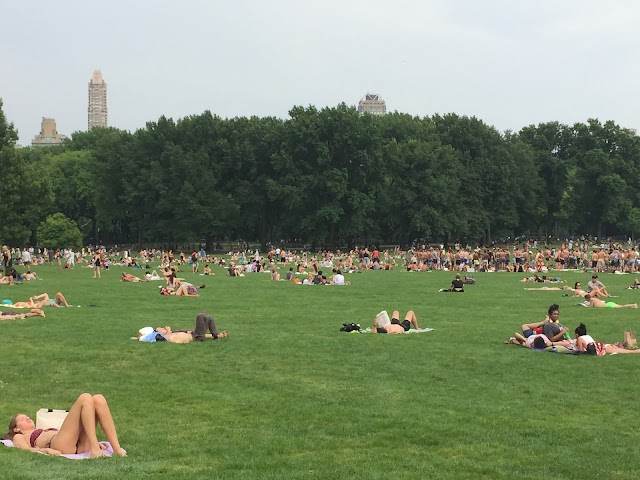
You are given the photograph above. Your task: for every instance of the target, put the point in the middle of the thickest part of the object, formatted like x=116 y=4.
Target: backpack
x=350 y=327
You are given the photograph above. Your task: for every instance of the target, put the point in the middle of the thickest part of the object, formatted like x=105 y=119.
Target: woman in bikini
x=77 y=433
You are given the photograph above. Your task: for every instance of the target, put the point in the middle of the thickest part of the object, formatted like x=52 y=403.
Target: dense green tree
x=58 y=231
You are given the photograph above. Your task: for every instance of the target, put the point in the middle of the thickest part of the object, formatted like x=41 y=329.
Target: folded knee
x=99 y=400
x=85 y=398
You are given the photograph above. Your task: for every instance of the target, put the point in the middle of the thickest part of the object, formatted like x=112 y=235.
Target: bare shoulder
x=20 y=441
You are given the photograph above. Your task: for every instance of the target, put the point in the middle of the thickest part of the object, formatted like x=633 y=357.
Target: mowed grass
x=289 y=396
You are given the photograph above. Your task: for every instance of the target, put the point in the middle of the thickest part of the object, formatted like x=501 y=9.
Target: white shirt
x=530 y=339
x=338 y=279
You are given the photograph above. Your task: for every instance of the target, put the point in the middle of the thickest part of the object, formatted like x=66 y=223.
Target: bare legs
x=60 y=300
x=411 y=316
x=614 y=349
x=78 y=431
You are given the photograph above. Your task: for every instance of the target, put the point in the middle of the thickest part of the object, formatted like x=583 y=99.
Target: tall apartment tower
x=372 y=103
x=97 y=101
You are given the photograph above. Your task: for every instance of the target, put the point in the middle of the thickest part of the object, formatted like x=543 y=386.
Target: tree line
x=329 y=177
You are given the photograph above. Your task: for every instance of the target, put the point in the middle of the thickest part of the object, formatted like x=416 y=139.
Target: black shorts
x=594 y=263
x=405 y=324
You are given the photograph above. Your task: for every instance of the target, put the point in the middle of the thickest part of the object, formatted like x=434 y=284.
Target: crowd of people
x=308 y=269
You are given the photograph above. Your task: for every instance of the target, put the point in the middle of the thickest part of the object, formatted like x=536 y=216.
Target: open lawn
x=288 y=396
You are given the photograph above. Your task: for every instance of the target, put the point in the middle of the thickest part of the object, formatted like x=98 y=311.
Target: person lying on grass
x=579 y=292
x=43 y=300
x=127 y=277
x=30 y=276
x=77 y=434
x=382 y=324
x=634 y=285
x=184 y=290
x=11 y=315
x=153 y=276
x=586 y=343
x=204 y=323
x=597 y=303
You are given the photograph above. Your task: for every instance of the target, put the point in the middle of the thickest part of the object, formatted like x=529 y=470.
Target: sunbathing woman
x=545 y=288
x=30 y=276
x=127 y=277
x=43 y=300
x=577 y=290
x=77 y=433
x=10 y=315
x=586 y=343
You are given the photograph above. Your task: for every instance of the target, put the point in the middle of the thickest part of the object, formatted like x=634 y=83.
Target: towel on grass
x=420 y=330
x=72 y=456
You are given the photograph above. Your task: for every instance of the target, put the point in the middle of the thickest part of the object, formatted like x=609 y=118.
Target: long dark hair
x=12 y=425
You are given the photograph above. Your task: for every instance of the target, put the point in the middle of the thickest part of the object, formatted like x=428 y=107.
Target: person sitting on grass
x=207 y=270
x=43 y=300
x=456 y=285
x=11 y=315
x=274 y=273
x=77 y=434
x=204 y=323
x=596 y=284
x=597 y=303
x=586 y=343
x=6 y=279
x=338 y=278
x=127 y=277
x=550 y=327
x=382 y=324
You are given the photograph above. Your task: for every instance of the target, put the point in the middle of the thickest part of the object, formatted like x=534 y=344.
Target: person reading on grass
x=586 y=343
x=77 y=433
x=11 y=315
x=204 y=323
x=382 y=324
x=597 y=303
x=43 y=300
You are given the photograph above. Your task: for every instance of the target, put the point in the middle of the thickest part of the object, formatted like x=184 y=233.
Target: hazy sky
x=509 y=63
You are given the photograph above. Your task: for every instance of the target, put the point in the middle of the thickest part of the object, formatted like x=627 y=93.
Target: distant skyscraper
x=97 y=101
x=48 y=134
x=372 y=103
x=632 y=131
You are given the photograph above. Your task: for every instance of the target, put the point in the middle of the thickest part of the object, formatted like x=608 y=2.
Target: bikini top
x=33 y=438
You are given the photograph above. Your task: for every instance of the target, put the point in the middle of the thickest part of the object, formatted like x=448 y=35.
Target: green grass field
x=288 y=396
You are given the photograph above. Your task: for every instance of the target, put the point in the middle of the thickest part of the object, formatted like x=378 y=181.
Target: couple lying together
x=204 y=323
x=550 y=332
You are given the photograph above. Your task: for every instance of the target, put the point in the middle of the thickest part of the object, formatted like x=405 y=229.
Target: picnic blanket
x=72 y=456
x=420 y=330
